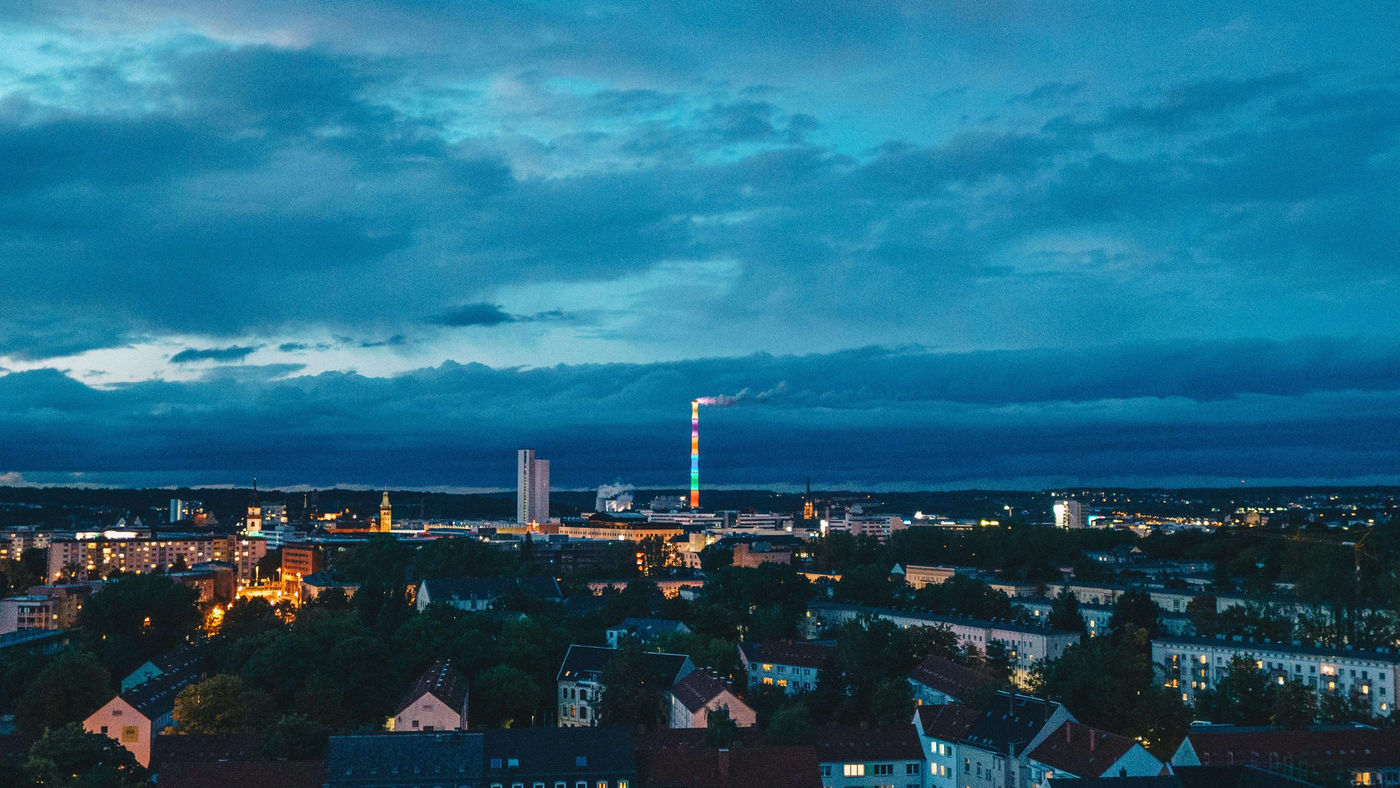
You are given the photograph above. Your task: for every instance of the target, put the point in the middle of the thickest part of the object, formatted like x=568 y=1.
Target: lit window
x=854 y=770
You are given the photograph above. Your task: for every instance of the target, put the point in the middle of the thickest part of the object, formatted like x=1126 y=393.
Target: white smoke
x=743 y=395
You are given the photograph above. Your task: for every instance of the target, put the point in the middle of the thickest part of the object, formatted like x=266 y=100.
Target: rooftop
x=1079 y=749
x=1290 y=648
x=443 y=683
x=787 y=652
x=680 y=759
x=587 y=663
x=560 y=751
x=948 y=721
x=950 y=678
x=848 y=743
x=388 y=758
x=1223 y=745
x=698 y=688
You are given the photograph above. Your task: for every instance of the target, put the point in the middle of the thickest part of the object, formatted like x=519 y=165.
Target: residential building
x=1097 y=617
x=1191 y=777
x=39 y=642
x=482 y=593
x=1192 y=664
x=186 y=659
x=394 y=760
x=30 y=611
x=532 y=492
x=314 y=585
x=1077 y=750
x=986 y=748
x=644 y=629
x=790 y=665
x=436 y=702
x=857 y=756
x=752 y=555
x=1026 y=645
x=700 y=692
x=134 y=716
x=917 y=576
x=580 y=680
x=1371 y=756
x=617 y=526
x=560 y=758
x=937 y=680
x=202 y=761
x=875 y=526
x=98 y=556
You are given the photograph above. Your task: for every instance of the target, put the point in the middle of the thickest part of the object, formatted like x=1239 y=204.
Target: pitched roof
x=950 y=678
x=445 y=684
x=443 y=589
x=1191 y=777
x=155 y=697
x=200 y=747
x=698 y=688
x=1081 y=750
x=559 y=750
x=787 y=652
x=680 y=759
x=1266 y=747
x=875 y=743
x=648 y=628
x=1011 y=720
x=388 y=758
x=948 y=721
x=588 y=663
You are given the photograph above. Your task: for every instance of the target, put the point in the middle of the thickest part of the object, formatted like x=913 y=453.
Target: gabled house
x=644 y=629
x=937 y=680
x=700 y=692
x=580 y=679
x=853 y=756
x=436 y=702
x=1077 y=750
x=185 y=658
x=482 y=593
x=135 y=716
x=790 y=665
x=986 y=748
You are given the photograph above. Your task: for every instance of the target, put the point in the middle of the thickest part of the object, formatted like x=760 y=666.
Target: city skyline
x=963 y=245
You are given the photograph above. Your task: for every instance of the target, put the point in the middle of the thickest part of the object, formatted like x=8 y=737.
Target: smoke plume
x=743 y=395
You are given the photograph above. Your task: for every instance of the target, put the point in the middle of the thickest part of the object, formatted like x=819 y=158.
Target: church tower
x=386 y=514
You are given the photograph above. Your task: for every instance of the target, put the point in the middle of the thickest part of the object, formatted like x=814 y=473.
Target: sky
x=934 y=244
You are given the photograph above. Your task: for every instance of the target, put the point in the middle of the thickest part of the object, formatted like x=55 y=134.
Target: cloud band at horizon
x=695 y=454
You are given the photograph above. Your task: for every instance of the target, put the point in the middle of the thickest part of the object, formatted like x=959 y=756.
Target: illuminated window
x=768 y=680
x=854 y=770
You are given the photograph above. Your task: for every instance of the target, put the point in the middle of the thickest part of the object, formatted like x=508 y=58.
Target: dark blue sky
x=957 y=243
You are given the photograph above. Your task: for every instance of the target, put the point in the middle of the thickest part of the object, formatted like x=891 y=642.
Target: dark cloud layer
x=1309 y=409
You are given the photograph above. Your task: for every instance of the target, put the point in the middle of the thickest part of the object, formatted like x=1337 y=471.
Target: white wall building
x=1069 y=513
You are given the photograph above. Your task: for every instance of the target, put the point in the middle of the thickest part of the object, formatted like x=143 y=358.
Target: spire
x=385 y=502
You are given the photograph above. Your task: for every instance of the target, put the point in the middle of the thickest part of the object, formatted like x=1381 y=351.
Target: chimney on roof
x=1092 y=739
x=1069 y=733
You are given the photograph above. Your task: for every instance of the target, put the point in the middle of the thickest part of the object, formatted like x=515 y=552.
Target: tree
x=1065 y=615
x=295 y=737
x=70 y=757
x=652 y=550
x=1239 y=697
x=720 y=729
x=137 y=617
x=1294 y=705
x=791 y=724
x=66 y=690
x=891 y=702
x=630 y=694
x=1135 y=608
x=505 y=697
x=218 y=705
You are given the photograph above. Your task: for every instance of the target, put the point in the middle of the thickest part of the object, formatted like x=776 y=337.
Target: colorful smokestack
x=695 y=454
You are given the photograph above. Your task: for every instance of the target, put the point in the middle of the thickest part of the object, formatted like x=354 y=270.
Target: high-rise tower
x=532 y=490
x=695 y=454
x=386 y=514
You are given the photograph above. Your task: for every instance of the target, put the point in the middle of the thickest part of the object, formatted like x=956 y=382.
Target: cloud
x=232 y=353
x=1315 y=409
x=478 y=314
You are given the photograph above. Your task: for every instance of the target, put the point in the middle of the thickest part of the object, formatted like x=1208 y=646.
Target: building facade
x=532 y=491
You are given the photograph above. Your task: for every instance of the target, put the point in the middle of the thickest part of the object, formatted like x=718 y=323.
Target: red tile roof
x=874 y=743
x=950 y=678
x=1081 y=750
x=245 y=774
x=679 y=759
x=1266 y=748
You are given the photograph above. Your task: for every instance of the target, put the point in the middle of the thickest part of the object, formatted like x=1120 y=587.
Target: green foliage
x=220 y=704
x=1065 y=615
x=720 y=729
x=294 y=737
x=70 y=757
x=505 y=696
x=631 y=696
x=1136 y=609
x=717 y=654
x=66 y=690
x=868 y=584
x=137 y=617
x=764 y=602
x=1108 y=682
x=791 y=724
x=1239 y=697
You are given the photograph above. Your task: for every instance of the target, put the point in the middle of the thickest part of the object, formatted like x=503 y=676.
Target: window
x=495 y=763
x=911 y=768
x=882 y=769
x=826 y=767
x=581 y=761
x=854 y=770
